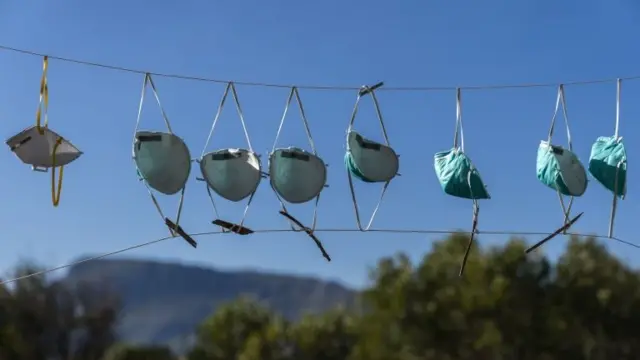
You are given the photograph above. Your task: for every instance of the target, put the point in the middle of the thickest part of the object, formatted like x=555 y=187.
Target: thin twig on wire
x=340 y=230
x=317 y=87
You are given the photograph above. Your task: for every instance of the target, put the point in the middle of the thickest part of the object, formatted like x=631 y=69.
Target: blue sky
x=346 y=43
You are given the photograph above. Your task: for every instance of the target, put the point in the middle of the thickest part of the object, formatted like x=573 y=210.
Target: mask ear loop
x=43 y=110
x=566 y=210
x=458 y=139
x=284 y=212
x=362 y=92
x=43 y=103
x=227 y=226
x=614 y=204
x=174 y=228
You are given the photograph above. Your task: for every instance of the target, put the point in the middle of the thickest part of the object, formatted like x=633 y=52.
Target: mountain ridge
x=163 y=302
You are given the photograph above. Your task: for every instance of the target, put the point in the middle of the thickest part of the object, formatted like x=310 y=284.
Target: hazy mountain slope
x=164 y=302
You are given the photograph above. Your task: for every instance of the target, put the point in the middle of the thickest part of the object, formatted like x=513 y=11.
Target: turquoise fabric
x=606 y=154
x=452 y=169
x=548 y=169
x=353 y=169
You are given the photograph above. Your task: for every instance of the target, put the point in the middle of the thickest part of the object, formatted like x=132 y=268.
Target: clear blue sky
x=404 y=43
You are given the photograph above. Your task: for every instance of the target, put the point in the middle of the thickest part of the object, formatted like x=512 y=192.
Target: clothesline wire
x=314 y=87
x=335 y=230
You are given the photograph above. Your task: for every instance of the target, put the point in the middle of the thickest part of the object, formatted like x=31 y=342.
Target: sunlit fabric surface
x=163 y=161
x=370 y=161
x=36 y=149
x=560 y=169
x=297 y=175
x=234 y=174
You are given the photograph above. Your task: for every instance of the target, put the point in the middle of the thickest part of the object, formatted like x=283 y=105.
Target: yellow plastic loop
x=55 y=197
x=44 y=98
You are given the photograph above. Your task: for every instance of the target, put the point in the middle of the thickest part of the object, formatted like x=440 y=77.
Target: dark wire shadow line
x=335 y=230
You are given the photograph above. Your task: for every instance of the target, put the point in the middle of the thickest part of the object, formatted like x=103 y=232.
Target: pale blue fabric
x=163 y=161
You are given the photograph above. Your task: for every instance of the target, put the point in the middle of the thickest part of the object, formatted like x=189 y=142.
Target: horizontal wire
x=314 y=87
x=339 y=230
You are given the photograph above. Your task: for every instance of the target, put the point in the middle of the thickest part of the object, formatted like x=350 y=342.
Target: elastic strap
x=618 y=90
x=560 y=100
x=55 y=195
x=314 y=218
x=43 y=103
x=229 y=88
x=616 y=135
x=234 y=94
x=294 y=93
x=474 y=224
x=149 y=81
x=215 y=208
x=364 y=90
x=459 y=132
x=614 y=204
x=157 y=205
x=566 y=210
x=355 y=203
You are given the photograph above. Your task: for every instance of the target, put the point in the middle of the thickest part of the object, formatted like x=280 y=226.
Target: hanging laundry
x=559 y=169
x=233 y=174
x=608 y=162
x=458 y=177
x=367 y=160
x=41 y=147
x=298 y=176
x=163 y=162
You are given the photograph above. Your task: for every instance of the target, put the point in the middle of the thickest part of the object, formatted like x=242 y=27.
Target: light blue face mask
x=458 y=177
x=368 y=160
x=560 y=169
x=297 y=176
x=608 y=163
x=233 y=174
x=163 y=162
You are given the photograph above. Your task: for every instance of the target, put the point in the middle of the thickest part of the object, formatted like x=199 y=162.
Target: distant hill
x=164 y=302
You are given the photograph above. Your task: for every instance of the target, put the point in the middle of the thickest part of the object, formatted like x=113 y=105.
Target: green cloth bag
x=608 y=164
x=457 y=175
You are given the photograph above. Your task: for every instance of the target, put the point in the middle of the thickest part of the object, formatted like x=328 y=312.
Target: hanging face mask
x=370 y=161
x=458 y=177
x=41 y=147
x=163 y=162
x=608 y=163
x=559 y=169
x=297 y=176
x=367 y=160
x=233 y=174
